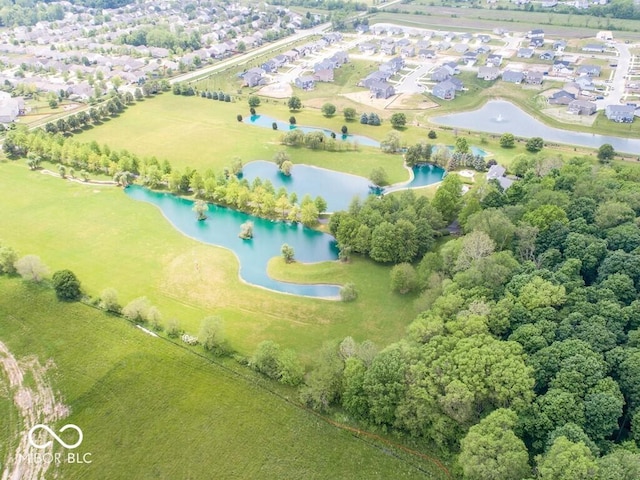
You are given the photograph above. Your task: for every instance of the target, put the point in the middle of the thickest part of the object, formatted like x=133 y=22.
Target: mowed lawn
x=109 y=240
x=150 y=409
x=202 y=134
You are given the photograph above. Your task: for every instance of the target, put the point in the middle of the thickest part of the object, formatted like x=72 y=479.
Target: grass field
x=202 y=134
x=149 y=409
x=108 y=240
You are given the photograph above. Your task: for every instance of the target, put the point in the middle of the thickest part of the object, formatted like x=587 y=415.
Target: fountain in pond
x=499 y=118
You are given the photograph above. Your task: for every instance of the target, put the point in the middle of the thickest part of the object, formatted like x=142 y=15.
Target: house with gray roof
x=305 y=82
x=440 y=74
x=620 y=113
x=525 y=53
x=488 y=73
x=511 y=76
x=581 y=107
x=445 y=90
x=561 y=97
x=593 y=48
x=497 y=172
x=589 y=70
x=381 y=90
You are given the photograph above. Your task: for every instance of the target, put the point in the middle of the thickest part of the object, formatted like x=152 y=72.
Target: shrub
x=403 y=278
x=173 y=327
x=66 y=285
x=348 y=292
x=239 y=117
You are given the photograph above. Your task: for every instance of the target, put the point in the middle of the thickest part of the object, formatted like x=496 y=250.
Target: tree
x=309 y=214
x=66 y=285
x=246 y=231
x=378 y=176
x=137 y=309
x=491 y=449
x=236 y=166
x=265 y=359
x=534 y=144
x=294 y=103
x=320 y=203
x=109 y=300
x=348 y=292
x=432 y=134
x=254 y=101
x=292 y=120
x=349 y=114
x=403 y=278
x=287 y=253
x=328 y=109
x=344 y=130
x=507 y=140
x=391 y=143
x=8 y=257
x=280 y=157
x=462 y=146
x=241 y=47
x=448 y=197
x=566 y=459
x=201 y=208
x=398 y=120
x=606 y=153
x=239 y=118
x=286 y=167
x=30 y=267
x=211 y=335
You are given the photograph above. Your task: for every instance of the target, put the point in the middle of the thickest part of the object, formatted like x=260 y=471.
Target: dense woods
x=525 y=356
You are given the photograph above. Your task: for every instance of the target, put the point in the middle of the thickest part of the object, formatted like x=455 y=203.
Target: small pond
x=498 y=116
x=222 y=228
x=267 y=122
x=337 y=188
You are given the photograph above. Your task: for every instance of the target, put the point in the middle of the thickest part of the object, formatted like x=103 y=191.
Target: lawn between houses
x=109 y=240
x=149 y=409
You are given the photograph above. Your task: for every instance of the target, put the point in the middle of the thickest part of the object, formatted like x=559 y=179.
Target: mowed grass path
x=149 y=409
x=203 y=134
x=109 y=240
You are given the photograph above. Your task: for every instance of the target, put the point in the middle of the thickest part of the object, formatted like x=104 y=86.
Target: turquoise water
x=267 y=122
x=222 y=228
x=423 y=175
x=337 y=188
x=474 y=150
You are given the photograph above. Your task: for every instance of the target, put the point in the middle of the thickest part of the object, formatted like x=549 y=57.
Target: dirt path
x=36 y=404
x=110 y=183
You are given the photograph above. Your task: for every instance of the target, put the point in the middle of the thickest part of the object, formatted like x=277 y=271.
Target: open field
x=149 y=409
x=202 y=134
x=109 y=240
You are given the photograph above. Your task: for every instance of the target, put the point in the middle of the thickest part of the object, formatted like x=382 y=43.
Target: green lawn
x=108 y=240
x=150 y=409
x=201 y=133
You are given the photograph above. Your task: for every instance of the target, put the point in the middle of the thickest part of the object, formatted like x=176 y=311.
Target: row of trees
x=316 y=141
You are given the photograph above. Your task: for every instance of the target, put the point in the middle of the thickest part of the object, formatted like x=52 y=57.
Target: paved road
x=618 y=82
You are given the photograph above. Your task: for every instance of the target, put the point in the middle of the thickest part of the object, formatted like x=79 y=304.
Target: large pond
x=337 y=188
x=498 y=116
x=222 y=228
x=267 y=122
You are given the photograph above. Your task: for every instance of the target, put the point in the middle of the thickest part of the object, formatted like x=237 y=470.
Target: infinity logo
x=40 y=426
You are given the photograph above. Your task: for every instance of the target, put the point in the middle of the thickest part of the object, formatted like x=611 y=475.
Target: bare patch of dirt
x=365 y=98
x=35 y=405
x=407 y=101
x=276 y=90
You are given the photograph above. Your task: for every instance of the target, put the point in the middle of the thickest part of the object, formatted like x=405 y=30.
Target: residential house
x=620 y=113
x=305 y=82
x=536 y=42
x=561 y=97
x=10 y=108
x=585 y=83
x=332 y=37
x=589 y=70
x=484 y=38
x=408 y=51
x=425 y=53
x=325 y=64
x=292 y=55
x=457 y=83
x=547 y=55
x=494 y=60
x=403 y=42
x=269 y=66
x=605 y=35
x=534 y=77
x=444 y=90
x=511 y=76
x=280 y=60
x=559 y=45
x=441 y=74
x=581 y=107
x=375 y=77
x=488 y=73
x=323 y=75
x=483 y=49
x=254 y=77
x=497 y=172
x=561 y=66
x=525 y=53
x=394 y=65
x=460 y=48
x=453 y=67
x=593 y=48
x=444 y=45
x=368 y=48
x=470 y=58
x=536 y=33
x=381 y=90
x=340 y=58
x=388 y=46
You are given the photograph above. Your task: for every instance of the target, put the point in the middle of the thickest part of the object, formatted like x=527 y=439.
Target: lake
x=267 y=122
x=222 y=228
x=499 y=116
x=337 y=188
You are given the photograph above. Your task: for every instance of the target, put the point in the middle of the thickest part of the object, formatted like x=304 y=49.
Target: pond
x=337 y=188
x=267 y=122
x=498 y=116
x=222 y=228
